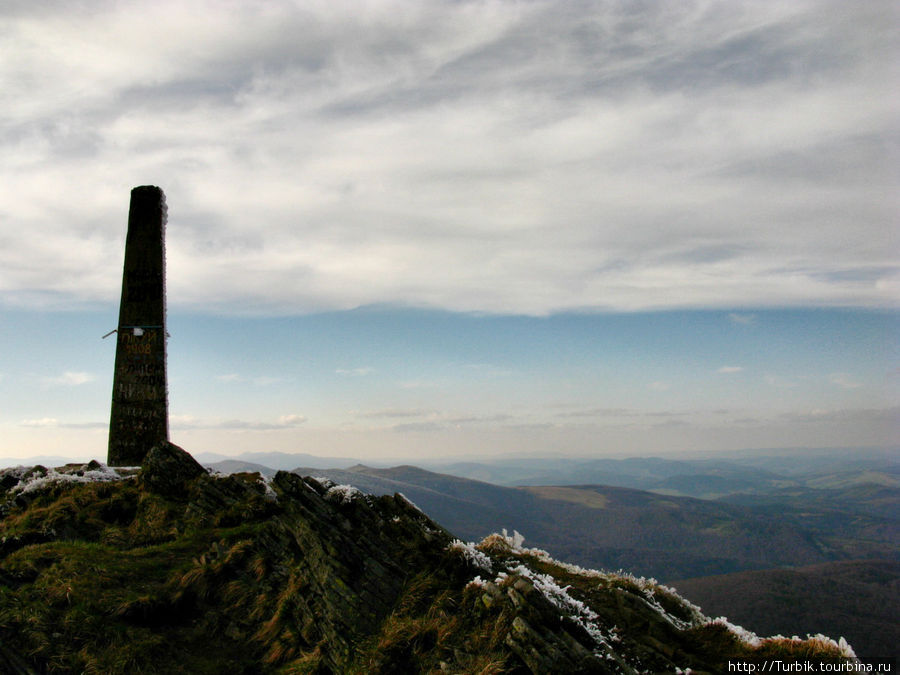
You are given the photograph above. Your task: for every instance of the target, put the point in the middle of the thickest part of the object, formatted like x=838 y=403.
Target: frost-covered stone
x=343 y=493
x=26 y=480
x=472 y=555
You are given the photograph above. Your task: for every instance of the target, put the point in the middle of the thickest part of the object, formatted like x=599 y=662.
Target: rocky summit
x=168 y=568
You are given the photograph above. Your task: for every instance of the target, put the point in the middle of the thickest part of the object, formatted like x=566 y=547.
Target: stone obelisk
x=139 y=418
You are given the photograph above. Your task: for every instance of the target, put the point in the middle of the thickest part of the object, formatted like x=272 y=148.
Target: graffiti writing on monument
x=140 y=391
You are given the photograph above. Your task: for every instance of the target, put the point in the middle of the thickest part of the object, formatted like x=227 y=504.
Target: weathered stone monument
x=139 y=418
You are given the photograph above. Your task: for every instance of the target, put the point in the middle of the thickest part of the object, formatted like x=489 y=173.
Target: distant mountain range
x=752 y=472
x=655 y=535
x=278 y=461
x=725 y=473
x=744 y=472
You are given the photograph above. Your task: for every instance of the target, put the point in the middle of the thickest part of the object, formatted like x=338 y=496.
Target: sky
x=449 y=229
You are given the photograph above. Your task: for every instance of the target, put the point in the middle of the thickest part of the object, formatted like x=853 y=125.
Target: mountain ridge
x=172 y=569
x=657 y=535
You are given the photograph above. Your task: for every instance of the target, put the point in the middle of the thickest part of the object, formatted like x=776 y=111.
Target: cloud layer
x=477 y=156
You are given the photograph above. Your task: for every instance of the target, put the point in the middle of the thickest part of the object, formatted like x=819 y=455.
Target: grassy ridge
x=178 y=571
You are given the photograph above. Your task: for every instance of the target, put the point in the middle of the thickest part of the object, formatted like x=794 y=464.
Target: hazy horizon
x=284 y=460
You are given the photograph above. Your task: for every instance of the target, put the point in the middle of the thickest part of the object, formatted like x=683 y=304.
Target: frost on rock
x=559 y=596
x=747 y=637
x=268 y=491
x=265 y=482
x=40 y=480
x=558 y=583
x=472 y=555
x=648 y=588
x=410 y=502
x=343 y=493
x=841 y=646
x=515 y=541
x=574 y=569
x=16 y=472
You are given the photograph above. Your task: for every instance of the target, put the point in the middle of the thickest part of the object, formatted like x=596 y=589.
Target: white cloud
x=260 y=381
x=42 y=422
x=495 y=156
x=184 y=422
x=435 y=420
x=355 y=372
x=71 y=379
x=395 y=413
x=266 y=380
x=779 y=381
x=419 y=384
x=844 y=380
x=486 y=370
x=418 y=427
x=85 y=425
x=742 y=319
x=729 y=370
x=659 y=386
x=291 y=420
x=856 y=415
x=597 y=412
x=189 y=422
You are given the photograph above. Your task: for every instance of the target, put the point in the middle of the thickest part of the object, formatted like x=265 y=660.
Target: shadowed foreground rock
x=172 y=570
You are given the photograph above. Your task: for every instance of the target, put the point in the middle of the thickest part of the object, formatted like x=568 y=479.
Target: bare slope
x=857 y=599
x=651 y=534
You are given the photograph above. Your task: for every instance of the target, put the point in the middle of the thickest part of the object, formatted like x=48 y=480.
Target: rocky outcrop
x=172 y=569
